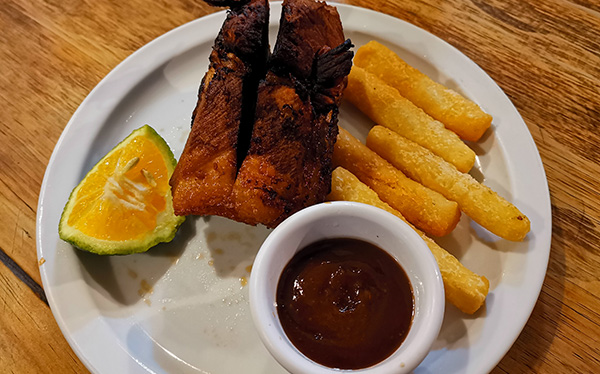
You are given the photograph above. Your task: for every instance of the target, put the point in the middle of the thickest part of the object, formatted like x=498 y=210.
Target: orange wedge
x=124 y=204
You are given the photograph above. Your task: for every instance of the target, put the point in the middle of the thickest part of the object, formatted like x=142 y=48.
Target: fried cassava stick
x=464 y=289
x=423 y=207
x=386 y=107
x=478 y=201
x=456 y=112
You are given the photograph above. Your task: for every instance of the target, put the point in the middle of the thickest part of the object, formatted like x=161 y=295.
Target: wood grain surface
x=544 y=54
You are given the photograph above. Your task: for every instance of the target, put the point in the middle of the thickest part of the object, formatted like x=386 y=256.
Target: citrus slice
x=124 y=204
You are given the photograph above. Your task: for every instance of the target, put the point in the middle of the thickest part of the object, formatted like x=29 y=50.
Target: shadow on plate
x=124 y=280
x=233 y=245
x=454 y=335
x=540 y=331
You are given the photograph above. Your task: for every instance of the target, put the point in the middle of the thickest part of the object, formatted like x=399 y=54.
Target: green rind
x=104 y=247
x=162 y=234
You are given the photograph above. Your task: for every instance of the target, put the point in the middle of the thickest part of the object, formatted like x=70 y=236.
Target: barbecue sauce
x=345 y=303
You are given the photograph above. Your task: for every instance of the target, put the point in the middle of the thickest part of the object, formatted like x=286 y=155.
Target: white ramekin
x=348 y=220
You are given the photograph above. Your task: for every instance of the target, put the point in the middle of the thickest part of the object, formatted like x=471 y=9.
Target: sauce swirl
x=345 y=303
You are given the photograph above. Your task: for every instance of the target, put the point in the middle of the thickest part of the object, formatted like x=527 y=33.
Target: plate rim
x=218 y=17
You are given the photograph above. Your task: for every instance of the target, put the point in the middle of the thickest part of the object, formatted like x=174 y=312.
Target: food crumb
x=211 y=262
x=132 y=273
x=145 y=288
x=234 y=236
x=249 y=268
x=42 y=261
x=148 y=302
x=210 y=237
x=200 y=256
x=243 y=281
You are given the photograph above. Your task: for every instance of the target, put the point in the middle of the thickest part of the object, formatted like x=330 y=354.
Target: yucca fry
x=386 y=107
x=423 y=207
x=464 y=289
x=458 y=113
x=477 y=200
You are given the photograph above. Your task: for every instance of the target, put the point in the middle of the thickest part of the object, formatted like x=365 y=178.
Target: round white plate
x=183 y=306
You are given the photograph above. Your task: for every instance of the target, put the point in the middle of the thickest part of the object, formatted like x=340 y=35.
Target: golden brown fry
x=478 y=201
x=464 y=289
x=385 y=106
x=426 y=209
x=459 y=114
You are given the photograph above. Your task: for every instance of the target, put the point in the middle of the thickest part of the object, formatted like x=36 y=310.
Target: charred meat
x=223 y=117
x=262 y=139
x=288 y=166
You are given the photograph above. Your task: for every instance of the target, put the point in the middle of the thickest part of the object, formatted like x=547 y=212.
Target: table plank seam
x=23 y=276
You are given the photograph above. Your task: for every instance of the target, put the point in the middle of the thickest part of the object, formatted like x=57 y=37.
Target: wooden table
x=544 y=54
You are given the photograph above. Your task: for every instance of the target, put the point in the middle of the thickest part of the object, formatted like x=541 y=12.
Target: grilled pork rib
x=288 y=166
x=259 y=152
x=222 y=120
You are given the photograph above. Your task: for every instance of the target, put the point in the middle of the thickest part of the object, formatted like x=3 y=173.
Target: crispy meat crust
x=288 y=166
x=222 y=120
x=306 y=26
x=263 y=161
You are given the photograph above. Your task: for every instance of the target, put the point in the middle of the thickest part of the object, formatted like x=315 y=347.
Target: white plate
x=183 y=306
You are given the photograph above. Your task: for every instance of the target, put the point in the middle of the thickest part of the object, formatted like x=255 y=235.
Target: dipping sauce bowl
x=354 y=221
